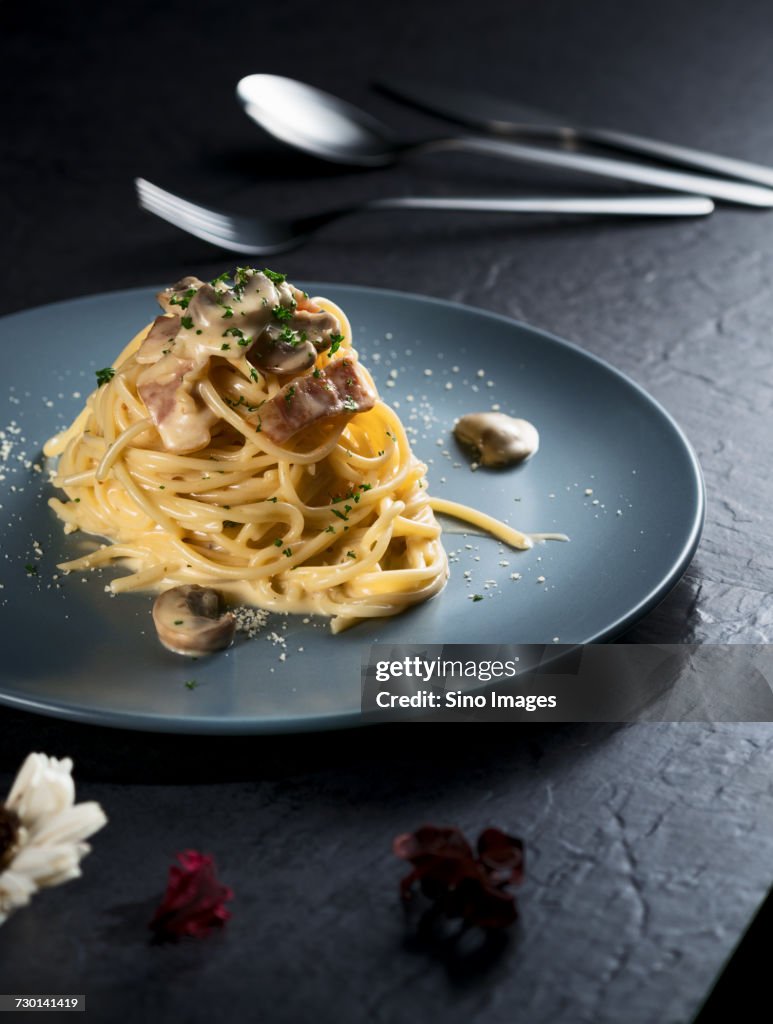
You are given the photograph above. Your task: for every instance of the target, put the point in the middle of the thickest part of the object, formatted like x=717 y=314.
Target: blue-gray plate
x=614 y=472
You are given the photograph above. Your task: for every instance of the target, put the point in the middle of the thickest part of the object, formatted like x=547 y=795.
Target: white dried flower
x=42 y=831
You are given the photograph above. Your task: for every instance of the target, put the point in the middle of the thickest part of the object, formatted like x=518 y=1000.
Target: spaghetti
x=238 y=443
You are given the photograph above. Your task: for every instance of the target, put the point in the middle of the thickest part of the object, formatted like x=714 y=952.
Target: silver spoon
x=323 y=125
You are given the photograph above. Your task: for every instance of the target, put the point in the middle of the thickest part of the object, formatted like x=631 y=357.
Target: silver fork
x=263 y=235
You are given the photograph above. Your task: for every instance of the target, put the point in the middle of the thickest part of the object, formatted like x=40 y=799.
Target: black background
x=649 y=847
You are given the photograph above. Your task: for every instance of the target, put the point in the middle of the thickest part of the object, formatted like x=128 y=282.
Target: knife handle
x=606 y=167
x=683 y=155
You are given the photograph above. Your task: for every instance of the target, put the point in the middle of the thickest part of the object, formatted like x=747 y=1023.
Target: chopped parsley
x=274 y=500
x=237 y=332
x=317 y=374
x=292 y=337
x=287 y=552
x=274 y=277
x=179 y=622
x=335 y=343
x=349 y=404
x=258 y=428
x=224 y=346
x=220 y=279
x=351 y=496
x=32 y=570
x=241 y=277
x=183 y=299
x=254 y=375
x=283 y=313
x=104 y=375
x=187 y=322
x=278 y=542
x=330 y=529
x=290 y=395
x=350 y=554
x=190 y=684
x=477 y=597
x=242 y=401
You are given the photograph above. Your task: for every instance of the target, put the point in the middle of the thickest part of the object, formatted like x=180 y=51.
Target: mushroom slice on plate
x=500 y=439
x=189 y=619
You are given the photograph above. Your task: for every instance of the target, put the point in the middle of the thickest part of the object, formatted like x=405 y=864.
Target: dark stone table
x=649 y=847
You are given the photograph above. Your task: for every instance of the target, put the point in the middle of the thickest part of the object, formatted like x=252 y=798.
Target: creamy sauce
x=501 y=440
x=273 y=324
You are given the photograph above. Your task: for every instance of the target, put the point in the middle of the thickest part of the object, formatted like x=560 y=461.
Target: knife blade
x=502 y=118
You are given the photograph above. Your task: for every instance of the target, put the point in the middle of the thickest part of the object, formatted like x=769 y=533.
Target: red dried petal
x=483 y=905
x=502 y=855
x=429 y=840
x=460 y=884
x=441 y=857
x=194 y=901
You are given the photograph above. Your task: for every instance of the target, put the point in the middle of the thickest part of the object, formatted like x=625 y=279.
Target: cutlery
x=325 y=126
x=263 y=235
x=510 y=120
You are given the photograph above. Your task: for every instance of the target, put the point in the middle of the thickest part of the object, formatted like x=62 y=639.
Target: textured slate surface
x=649 y=847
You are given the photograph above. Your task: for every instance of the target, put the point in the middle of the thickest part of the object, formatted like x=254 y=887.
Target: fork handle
x=644 y=206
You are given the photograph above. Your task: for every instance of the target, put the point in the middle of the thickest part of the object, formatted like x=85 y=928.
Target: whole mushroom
x=189 y=619
x=501 y=440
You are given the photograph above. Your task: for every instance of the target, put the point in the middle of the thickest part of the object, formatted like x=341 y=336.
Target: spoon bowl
x=316 y=122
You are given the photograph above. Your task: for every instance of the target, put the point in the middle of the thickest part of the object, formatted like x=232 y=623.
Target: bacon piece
x=159 y=338
x=183 y=424
x=340 y=390
x=158 y=388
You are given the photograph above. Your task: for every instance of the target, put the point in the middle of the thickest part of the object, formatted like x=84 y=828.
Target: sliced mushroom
x=318 y=326
x=206 y=307
x=189 y=619
x=258 y=293
x=176 y=291
x=501 y=440
x=273 y=353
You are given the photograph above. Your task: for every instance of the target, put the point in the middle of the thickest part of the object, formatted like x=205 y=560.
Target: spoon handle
x=652 y=206
x=607 y=167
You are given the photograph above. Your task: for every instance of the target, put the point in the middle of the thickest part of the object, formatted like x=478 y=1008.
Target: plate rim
x=327 y=721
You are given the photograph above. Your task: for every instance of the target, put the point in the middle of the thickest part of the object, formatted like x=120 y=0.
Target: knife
x=504 y=119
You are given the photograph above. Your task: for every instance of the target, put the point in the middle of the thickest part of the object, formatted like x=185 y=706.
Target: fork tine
x=162 y=199
x=218 y=229
x=186 y=222
x=182 y=217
